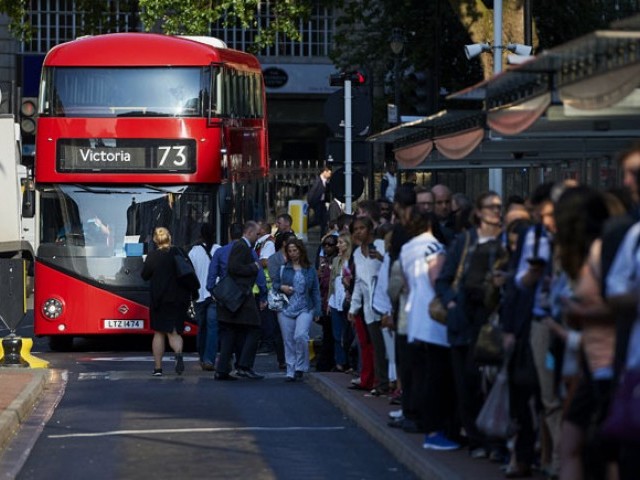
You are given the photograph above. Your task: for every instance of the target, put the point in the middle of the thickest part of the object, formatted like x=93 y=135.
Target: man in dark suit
x=243 y=268
x=317 y=199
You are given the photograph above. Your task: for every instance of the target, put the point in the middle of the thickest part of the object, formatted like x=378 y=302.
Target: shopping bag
x=494 y=419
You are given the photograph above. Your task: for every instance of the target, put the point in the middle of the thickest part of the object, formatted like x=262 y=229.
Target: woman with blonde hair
x=338 y=283
x=169 y=300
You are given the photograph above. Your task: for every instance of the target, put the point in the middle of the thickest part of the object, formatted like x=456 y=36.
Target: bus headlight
x=52 y=308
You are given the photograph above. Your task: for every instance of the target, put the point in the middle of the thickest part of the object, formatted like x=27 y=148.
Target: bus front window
x=125 y=92
x=102 y=233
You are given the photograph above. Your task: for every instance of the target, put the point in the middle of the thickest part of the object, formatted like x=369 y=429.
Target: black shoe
x=223 y=376
x=410 y=426
x=519 y=471
x=248 y=373
x=299 y=375
x=289 y=379
x=208 y=367
x=396 y=422
x=157 y=372
x=179 y=364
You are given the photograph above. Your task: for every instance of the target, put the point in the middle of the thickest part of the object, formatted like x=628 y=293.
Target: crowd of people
x=410 y=291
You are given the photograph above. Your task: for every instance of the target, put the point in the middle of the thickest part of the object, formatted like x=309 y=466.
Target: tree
x=195 y=17
x=477 y=20
x=173 y=17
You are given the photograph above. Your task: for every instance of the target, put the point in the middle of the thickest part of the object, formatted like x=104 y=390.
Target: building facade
x=296 y=72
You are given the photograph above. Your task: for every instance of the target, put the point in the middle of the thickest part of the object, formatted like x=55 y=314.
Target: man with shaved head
x=442 y=209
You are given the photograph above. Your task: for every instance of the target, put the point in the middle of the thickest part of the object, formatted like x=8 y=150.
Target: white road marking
x=194 y=430
x=131 y=359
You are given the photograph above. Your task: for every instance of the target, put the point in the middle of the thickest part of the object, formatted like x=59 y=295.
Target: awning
x=517 y=118
x=454 y=133
x=577 y=81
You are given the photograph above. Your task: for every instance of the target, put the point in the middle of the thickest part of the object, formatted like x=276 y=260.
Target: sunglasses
x=329 y=244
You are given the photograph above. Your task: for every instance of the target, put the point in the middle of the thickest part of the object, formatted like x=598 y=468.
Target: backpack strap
x=206 y=251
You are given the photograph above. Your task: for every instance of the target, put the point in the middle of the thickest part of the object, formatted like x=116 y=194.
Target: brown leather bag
x=437 y=310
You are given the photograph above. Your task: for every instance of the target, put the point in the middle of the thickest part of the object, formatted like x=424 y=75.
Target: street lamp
x=396 y=42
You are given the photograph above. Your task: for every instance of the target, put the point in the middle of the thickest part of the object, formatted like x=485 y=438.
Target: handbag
x=623 y=420
x=228 y=294
x=488 y=349
x=276 y=301
x=185 y=273
x=191 y=312
x=437 y=310
x=494 y=419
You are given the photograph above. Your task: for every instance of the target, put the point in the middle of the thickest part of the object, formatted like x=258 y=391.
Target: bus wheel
x=61 y=343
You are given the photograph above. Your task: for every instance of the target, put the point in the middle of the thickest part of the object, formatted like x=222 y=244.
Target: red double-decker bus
x=137 y=131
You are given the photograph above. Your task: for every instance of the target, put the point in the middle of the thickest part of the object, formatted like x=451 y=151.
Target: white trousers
x=295 y=337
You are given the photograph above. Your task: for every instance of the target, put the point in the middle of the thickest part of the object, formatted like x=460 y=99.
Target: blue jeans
x=207 y=341
x=338 y=325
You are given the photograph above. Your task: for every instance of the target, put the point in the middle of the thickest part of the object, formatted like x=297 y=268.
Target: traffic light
x=419 y=97
x=28 y=111
x=356 y=78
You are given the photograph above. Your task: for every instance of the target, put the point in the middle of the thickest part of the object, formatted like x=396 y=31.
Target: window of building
x=59 y=21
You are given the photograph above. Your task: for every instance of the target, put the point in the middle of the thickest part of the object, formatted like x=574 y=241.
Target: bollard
x=12 y=345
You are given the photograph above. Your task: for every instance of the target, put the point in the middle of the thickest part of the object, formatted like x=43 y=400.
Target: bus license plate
x=124 y=324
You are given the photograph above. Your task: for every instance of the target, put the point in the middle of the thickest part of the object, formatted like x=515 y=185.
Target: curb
x=394 y=441
x=20 y=408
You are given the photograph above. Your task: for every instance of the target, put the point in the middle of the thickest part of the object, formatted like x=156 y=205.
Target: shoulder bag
x=488 y=349
x=228 y=294
x=185 y=273
x=437 y=310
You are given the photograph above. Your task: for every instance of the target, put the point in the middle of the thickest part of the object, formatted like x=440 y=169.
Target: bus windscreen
x=125 y=92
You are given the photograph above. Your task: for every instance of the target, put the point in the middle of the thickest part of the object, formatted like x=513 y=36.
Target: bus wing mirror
x=29 y=199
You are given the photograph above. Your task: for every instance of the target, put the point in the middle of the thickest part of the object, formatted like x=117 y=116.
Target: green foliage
x=177 y=17
x=16 y=10
x=195 y=17
x=434 y=38
x=560 y=22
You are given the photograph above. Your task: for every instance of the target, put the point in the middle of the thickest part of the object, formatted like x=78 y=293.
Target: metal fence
x=290 y=180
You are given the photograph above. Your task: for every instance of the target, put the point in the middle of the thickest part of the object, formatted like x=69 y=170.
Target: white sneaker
x=395 y=414
x=355 y=381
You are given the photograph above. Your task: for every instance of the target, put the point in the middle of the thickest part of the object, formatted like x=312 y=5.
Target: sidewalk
x=20 y=390
x=370 y=413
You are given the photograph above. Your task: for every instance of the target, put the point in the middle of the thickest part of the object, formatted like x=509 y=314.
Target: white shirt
x=201 y=261
x=381 y=301
x=414 y=257
x=366 y=278
x=391 y=187
x=267 y=248
x=336 y=300
x=622 y=277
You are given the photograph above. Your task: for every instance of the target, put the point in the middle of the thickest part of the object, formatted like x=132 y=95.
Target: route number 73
x=174 y=154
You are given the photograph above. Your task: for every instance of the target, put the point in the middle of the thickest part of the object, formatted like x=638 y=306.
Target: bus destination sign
x=108 y=155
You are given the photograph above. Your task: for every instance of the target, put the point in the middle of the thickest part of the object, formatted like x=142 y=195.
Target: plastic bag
x=494 y=420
